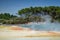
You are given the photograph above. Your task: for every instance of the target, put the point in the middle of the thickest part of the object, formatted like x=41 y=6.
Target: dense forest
x=32 y=14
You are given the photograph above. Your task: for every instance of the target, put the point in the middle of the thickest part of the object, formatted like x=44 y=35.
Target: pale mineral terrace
x=15 y=31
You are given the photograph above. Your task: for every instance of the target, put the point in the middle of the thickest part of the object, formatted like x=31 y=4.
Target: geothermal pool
x=34 y=38
x=39 y=26
x=43 y=26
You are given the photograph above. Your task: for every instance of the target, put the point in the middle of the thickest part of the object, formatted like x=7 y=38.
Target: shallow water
x=33 y=38
x=43 y=26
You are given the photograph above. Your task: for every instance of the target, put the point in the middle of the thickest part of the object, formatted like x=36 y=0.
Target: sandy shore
x=16 y=31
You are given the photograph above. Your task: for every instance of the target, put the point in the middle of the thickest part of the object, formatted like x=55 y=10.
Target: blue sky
x=12 y=6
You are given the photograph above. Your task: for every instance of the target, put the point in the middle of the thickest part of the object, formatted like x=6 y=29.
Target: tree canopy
x=53 y=11
x=6 y=16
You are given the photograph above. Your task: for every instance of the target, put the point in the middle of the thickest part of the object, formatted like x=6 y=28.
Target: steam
x=44 y=26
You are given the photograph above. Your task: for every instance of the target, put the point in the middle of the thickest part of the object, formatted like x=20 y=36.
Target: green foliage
x=6 y=16
x=53 y=11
